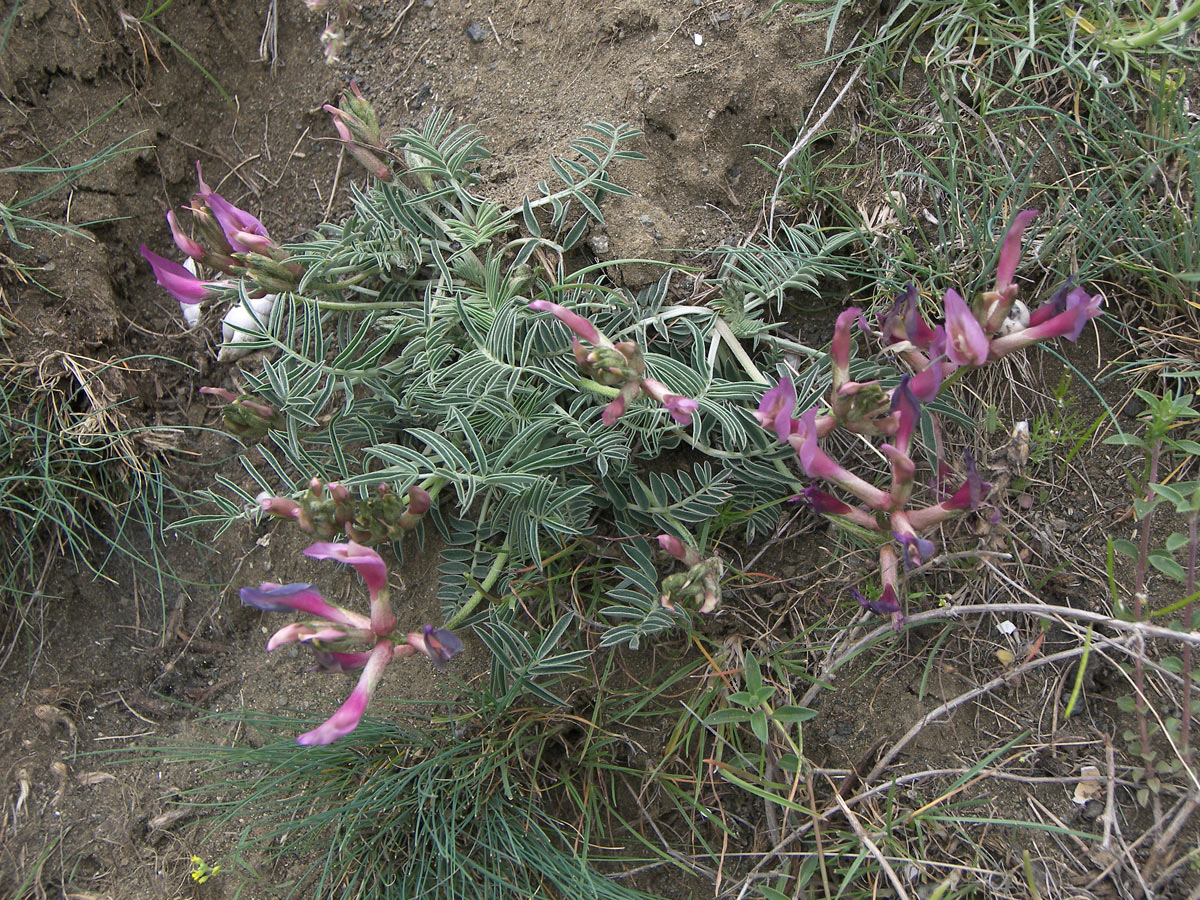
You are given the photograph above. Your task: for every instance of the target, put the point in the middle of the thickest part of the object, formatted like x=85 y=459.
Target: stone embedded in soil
x=477 y=33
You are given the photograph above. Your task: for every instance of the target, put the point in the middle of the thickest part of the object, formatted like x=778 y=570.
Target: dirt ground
x=704 y=79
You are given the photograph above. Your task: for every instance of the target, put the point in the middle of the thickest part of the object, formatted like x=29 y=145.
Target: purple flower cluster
x=616 y=365
x=231 y=241
x=334 y=632
x=329 y=510
x=972 y=335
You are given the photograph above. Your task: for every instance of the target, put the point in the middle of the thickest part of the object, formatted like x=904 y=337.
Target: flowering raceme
x=334 y=631
x=616 y=365
x=971 y=336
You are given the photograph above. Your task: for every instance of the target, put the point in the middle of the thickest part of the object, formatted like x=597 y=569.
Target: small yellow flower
x=202 y=871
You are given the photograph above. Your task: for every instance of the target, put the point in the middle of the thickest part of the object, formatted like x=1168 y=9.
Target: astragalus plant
x=412 y=349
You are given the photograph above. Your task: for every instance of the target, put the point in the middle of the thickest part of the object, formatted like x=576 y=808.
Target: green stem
x=1151 y=35
x=793 y=345
x=492 y=576
x=739 y=352
x=597 y=388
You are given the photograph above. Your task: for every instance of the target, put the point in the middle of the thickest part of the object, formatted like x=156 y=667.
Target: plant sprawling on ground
x=437 y=361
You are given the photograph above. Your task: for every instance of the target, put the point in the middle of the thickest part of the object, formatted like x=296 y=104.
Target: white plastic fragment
x=698 y=39
x=239 y=326
x=1006 y=628
x=191 y=311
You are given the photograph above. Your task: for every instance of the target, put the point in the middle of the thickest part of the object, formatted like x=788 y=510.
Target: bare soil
x=118 y=664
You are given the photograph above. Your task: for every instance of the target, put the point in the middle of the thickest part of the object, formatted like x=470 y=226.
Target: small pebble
x=477 y=33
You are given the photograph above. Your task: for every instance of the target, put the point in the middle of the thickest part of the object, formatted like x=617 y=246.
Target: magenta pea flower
x=906 y=405
x=672 y=545
x=826 y=504
x=966 y=343
x=904 y=322
x=305 y=634
x=886 y=605
x=369 y=564
x=839 y=348
x=366 y=158
x=303 y=598
x=1079 y=309
x=178 y=281
x=926 y=383
x=914 y=548
x=350 y=713
x=577 y=323
x=183 y=241
x=817 y=464
x=680 y=408
x=232 y=220
x=1010 y=253
x=371 y=569
x=776 y=407
x=334 y=630
x=436 y=643
x=969 y=495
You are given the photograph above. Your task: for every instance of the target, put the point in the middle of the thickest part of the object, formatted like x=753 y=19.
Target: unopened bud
x=360 y=116
x=270 y=275
x=281 y=507
x=243 y=415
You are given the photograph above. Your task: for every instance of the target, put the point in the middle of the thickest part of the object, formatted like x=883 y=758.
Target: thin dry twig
x=862 y=835
x=958 y=701
x=803 y=140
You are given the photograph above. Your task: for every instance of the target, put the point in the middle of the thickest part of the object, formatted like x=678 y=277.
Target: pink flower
x=302 y=597
x=680 y=408
x=966 y=344
x=904 y=322
x=185 y=243
x=438 y=644
x=346 y=719
x=418 y=501
x=341 y=123
x=232 y=219
x=916 y=549
x=616 y=408
x=968 y=496
x=675 y=547
x=826 y=504
x=776 y=407
x=903 y=470
x=300 y=631
x=817 y=464
x=283 y=507
x=904 y=402
x=367 y=562
x=926 y=383
x=1010 y=252
x=371 y=568
x=839 y=349
x=176 y=280
x=574 y=321
x=1080 y=309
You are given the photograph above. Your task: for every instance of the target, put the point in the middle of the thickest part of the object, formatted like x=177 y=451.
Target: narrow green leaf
x=792 y=714
x=751 y=673
x=728 y=716
x=758 y=724
x=531 y=222
x=1166 y=564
